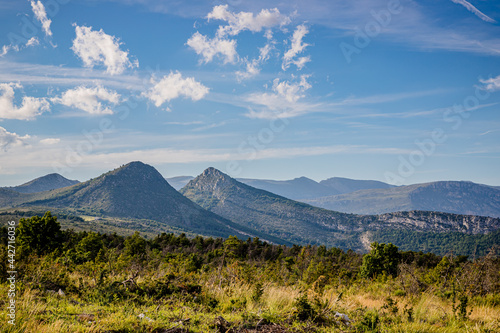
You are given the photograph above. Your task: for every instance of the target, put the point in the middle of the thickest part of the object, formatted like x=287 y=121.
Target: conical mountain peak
x=46 y=183
x=213 y=172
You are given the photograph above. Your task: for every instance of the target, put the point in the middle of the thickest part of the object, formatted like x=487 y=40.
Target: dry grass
x=48 y=312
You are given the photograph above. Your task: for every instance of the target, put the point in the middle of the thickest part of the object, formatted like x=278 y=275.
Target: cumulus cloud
x=9 y=140
x=30 y=106
x=237 y=22
x=96 y=47
x=234 y=23
x=474 y=10
x=491 y=84
x=94 y=100
x=283 y=101
x=173 y=86
x=297 y=47
x=41 y=16
x=209 y=48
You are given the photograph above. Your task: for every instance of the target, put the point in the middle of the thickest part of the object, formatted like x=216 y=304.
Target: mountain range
x=457 y=197
x=303 y=223
x=137 y=191
x=301 y=188
x=214 y=204
x=375 y=197
x=339 y=194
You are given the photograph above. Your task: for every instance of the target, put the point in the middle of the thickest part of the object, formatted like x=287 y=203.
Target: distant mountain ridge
x=46 y=183
x=458 y=197
x=345 y=185
x=375 y=197
x=301 y=188
x=179 y=181
x=296 y=189
x=302 y=223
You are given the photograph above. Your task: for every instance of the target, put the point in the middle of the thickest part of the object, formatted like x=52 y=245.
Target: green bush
x=369 y=322
x=303 y=309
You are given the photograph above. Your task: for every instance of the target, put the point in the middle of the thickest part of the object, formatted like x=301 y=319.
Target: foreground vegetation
x=88 y=282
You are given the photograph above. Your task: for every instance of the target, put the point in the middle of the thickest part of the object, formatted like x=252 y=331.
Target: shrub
x=369 y=322
x=382 y=259
x=257 y=293
x=303 y=309
x=39 y=235
x=400 y=293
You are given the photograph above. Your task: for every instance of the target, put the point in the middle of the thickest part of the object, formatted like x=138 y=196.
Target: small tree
x=39 y=235
x=135 y=244
x=383 y=258
x=90 y=246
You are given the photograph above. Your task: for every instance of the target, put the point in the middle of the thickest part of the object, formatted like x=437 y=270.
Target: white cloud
x=89 y=99
x=41 y=16
x=67 y=77
x=292 y=92
x=237 y=22
x=173 y=86
x=252 y=67
x=283 y=102
x=33 y=41
x=297 y=47
x=96 y=47
x=209 y=48
x=50 y=141
x=491 y=84
x=7 y=48
x=9 y=140
x=474 y=10
x=29 y=109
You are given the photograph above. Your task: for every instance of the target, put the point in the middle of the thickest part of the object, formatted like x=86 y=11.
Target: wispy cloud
x=491 y=84
x=386 y=98
x=185 y=123
x=40 y=74
x=414 y=26
x=283 y=102
x=210 y=126
x=488 y=132
x=253 y=66
x=32 y=156
x=297 y=47
x=474 y=10
x=41 y=15
x=50 y=141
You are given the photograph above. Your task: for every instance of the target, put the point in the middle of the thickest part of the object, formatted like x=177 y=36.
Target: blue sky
x=399 y=91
